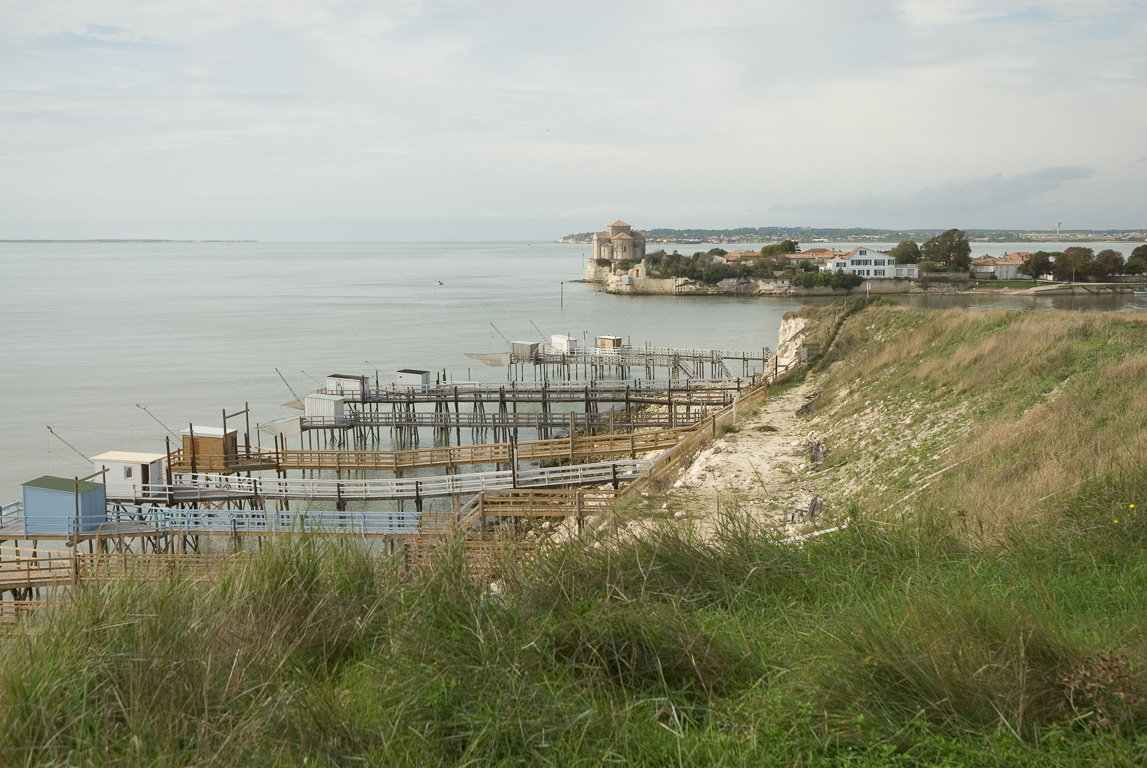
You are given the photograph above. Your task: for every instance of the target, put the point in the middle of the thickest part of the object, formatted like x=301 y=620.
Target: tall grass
x=876 y=645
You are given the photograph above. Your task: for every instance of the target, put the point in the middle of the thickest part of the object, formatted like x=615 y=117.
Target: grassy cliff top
x=1015 y=409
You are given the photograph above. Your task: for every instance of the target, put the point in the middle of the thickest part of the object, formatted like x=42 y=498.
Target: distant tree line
x=1078 y=262
x=710 y=267
x=948 y=251
x=951 y=252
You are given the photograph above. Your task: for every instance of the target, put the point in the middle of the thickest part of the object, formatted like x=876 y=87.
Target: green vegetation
x=1078 y=262
x=703 y=266
x=991 y=614
x=1018 y=408
x=876 y=646
x=1137 y=262
x=950 y=250
x=1037 y=264
x=779 y=249
x=906 y=252
x=838 y=280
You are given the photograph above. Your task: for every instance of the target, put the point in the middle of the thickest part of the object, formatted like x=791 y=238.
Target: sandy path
x=763 y=468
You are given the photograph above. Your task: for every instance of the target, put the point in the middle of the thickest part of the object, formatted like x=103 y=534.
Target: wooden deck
x=346 y=489
x=574 y=448
x=635 y=392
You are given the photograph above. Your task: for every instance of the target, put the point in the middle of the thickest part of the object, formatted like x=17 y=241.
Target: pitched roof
x=619 y=223
x=65 y=484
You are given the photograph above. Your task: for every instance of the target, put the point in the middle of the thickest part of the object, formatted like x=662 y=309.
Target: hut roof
x=210 y=431
x=68 y=485
x=129 y=457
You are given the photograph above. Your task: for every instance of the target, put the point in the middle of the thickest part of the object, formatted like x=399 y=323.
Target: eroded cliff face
x=790 y=340
x=594 y=273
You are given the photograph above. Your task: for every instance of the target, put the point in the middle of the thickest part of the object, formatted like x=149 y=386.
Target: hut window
x=127 y=472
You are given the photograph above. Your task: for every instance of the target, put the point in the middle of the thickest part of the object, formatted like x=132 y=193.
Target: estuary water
x=92 y=334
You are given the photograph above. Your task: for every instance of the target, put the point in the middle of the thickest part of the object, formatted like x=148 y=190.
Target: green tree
x=907 y=252
x=1074 y=263
x=1137 y=262
x=1036 y=264
x=777 y=249
x=1108 y=262
x=949 y=249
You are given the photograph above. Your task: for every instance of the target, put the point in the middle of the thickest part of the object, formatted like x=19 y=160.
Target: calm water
x=88 y=331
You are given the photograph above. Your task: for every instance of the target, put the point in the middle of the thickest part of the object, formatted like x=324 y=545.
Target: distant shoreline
x=860 y=235
x=128 y=240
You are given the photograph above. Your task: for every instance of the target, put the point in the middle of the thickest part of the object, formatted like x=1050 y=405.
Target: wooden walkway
x=574 y=448
x=634 y=392
x=214 y=487
x=447 y=420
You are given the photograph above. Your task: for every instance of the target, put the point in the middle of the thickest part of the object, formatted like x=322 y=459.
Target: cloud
x=263 y=108
x=974 y=202
x=993 y=191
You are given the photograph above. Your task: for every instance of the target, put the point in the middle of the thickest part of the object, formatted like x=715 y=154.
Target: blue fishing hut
x=60 y=506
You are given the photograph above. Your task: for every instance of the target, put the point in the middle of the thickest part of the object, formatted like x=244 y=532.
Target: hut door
x=145 y=475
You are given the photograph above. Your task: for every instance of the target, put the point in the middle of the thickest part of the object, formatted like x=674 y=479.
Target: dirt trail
x=762 y=468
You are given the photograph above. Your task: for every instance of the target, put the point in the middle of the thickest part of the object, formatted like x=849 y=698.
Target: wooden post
x=191 y=429
x=514 y=462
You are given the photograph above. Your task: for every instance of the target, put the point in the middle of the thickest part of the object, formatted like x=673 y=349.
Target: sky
x=456 y=120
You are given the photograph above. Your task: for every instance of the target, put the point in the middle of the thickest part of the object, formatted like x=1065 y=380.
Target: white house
x=867 y=262
x=1004 y=267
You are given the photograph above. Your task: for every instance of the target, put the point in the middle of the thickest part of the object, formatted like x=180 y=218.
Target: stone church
x=619 y=242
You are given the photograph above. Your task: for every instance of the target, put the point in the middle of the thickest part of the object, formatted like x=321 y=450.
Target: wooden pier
x=573 y=448
x=604 y=458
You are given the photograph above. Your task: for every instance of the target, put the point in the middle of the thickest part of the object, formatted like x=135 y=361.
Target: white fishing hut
x=561 y=344
x=324 y=409
x=127 y=472
x=412 y=378
x=347 y=384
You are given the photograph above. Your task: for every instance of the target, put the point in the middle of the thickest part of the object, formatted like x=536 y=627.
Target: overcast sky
x=309 y=120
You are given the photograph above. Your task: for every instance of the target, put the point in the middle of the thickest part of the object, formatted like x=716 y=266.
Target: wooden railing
x=42 y=568
x=676 y=458
x=573 y=448
x=104 y=566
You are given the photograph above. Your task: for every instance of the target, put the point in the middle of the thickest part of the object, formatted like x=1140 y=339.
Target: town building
x=1004 y=267
x=867 y=262
x=819 y=257
x=741 y=256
